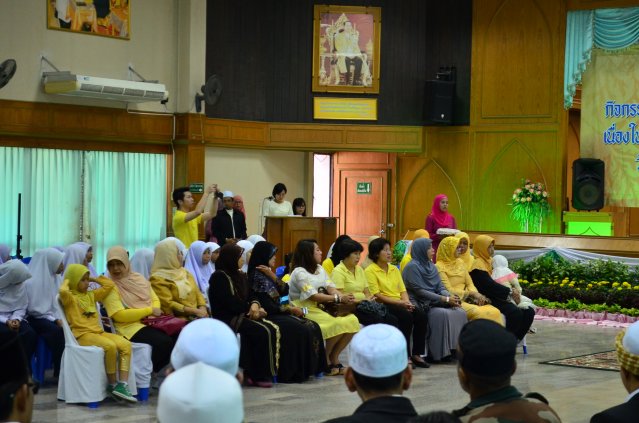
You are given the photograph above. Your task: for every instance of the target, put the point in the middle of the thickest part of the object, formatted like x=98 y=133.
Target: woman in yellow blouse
x=84 y=320
x=174 y=285
x=130 y=302
x=349 y=278
x=456 y=280
x=386 y=284
x=333 y=257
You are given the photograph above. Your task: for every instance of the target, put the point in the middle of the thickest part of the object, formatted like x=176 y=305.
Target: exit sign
x=196 y=188
x=364 y=187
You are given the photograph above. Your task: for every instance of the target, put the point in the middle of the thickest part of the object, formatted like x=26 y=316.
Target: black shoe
x=420 y=363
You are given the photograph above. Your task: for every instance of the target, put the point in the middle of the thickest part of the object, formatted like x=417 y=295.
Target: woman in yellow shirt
x=129 y=302
x=386 y=284
x=174 y=285
x=457 y=281
x=349 y=278
x=84 y=320
x=333 y=257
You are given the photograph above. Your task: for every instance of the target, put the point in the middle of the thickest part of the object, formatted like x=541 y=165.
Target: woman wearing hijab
x=142 y=261
x=215 y=253
x=45 y=268
x=457 y=281
x=233 y=302
x=464 y=249
x=255 y=238
x=518 y=320
x=247 y=248
x=419 y=233
x=198 y=263
x=302 y=351
x=425 y=290
x=174 y=285
x=80 y=253
x=5 y=253
x=439 y=218
x=333 y=257
x=131 y=301
x=14 y=302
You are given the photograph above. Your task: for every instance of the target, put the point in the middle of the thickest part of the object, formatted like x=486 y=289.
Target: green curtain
x=124 y=201
x=50 y=182
x=609 y=29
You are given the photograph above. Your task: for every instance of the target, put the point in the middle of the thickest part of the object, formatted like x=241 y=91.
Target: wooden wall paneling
x=444 y=170
x=500 y=161
x=517 y=61
x=321 y=137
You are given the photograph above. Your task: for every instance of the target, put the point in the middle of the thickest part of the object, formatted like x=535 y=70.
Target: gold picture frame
x=106 y=18
x=346 y=49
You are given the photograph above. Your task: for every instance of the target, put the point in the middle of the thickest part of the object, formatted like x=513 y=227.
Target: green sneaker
x=109 y=390
x=121 y=391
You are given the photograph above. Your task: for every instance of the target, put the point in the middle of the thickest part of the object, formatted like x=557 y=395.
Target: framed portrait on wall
x=346 y=44
x=109 y=18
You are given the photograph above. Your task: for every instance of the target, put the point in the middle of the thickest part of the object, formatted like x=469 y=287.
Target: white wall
x=152 y=50
x=253 y=173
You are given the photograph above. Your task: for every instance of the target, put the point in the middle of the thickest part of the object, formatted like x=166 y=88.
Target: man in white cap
x=228 y=225
x=199 y=393
x=627 y=345
x=211 y=342
x=378 y=370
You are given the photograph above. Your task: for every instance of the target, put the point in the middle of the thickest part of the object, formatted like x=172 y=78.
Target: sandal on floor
x=340 y=368
x=332 y=370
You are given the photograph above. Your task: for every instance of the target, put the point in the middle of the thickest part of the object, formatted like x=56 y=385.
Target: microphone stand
x=19 y=236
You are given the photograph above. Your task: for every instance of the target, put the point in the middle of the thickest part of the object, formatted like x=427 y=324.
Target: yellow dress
x=304 y=285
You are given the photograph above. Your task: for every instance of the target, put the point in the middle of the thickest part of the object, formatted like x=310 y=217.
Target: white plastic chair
x=82 y=374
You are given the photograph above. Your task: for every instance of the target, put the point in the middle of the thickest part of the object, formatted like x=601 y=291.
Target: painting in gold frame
x=108 y=18
x=346 y=45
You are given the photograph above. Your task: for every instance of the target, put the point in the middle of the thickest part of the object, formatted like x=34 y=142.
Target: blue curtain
x=50 y=182
x=609 y=29
x=124 y=202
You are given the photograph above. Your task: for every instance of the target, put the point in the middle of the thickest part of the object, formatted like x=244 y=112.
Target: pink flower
x=531 y=190
x=518 y=190
x=528 y=199
x=545 y=194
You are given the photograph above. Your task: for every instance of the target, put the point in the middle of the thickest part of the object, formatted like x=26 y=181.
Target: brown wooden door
x=363 y=203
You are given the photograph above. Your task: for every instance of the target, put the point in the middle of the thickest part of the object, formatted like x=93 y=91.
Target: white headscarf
x=142 y=261
x=199 y=393
x=76 y=253
x=501 y=272
x=254 y=239
x=5 y=253
x=44 y=283
x=248 y=247
x=201 y=272
x=13 y=296
x=214 y=247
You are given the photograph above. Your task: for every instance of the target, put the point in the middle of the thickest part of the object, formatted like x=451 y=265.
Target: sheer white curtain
x=124 y=201
x=50 y=182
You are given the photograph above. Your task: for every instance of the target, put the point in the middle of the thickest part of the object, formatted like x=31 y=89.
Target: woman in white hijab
x=198 y=262
x=254 y=239
x=13 y=304
x=45 y=268
x=246 y=254
x=142 y=261
x=80 y=253
x=5 y=253
x=215 y=253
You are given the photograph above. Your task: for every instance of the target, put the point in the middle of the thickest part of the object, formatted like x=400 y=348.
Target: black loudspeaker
x=438 y=102
x=588 y=184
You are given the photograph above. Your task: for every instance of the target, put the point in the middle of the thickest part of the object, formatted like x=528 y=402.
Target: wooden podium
x=285 y=232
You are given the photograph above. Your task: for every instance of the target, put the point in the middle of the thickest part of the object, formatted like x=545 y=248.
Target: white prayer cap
x=209 y=341
x=228 y=194
x=199 y=393
x=378 y=351
x=631 y=339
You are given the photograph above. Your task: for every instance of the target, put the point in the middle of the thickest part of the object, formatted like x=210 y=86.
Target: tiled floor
x=574 y=393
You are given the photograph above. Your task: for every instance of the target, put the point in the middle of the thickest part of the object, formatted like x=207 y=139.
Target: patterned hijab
x=85 y=300
x=44 y=283
x=167 y=266
x=447 y=261
x=421 y=268
x=13 y=295
x=467 y=258
x=483 y=260
x=443 y=218
x=134 y=289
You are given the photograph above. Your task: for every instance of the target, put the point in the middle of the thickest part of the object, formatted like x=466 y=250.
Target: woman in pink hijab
x=439 y=218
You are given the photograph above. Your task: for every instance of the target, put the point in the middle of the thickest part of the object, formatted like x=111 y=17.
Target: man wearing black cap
x=486 y=354
x=16 y=387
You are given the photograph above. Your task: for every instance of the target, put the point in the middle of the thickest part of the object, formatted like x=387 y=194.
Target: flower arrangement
x=530 y=205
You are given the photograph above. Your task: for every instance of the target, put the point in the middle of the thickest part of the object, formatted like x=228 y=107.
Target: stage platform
x=625 y=247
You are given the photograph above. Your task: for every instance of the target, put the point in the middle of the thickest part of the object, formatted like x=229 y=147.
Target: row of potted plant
x=576 y=305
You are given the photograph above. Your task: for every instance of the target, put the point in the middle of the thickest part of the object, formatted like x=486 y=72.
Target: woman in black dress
x=233 y=303
x=302 y=351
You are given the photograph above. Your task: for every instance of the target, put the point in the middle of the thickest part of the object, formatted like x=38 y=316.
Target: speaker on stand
x=439 y=97
x=588 y=177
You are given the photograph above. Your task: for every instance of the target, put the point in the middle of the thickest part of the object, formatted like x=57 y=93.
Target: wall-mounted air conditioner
x=66 y=83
